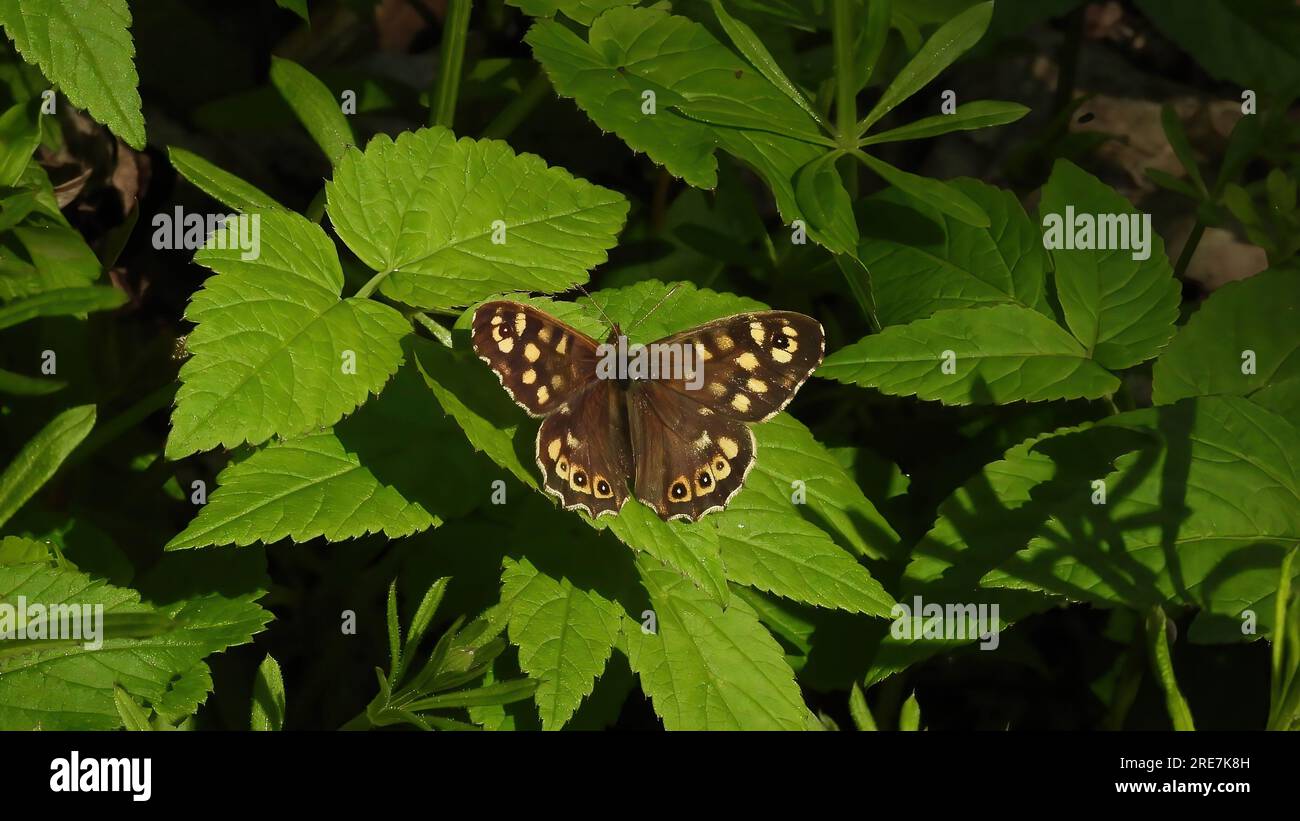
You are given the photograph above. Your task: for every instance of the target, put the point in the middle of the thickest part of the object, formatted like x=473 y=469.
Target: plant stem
x=846 y=109
x=1162 y=662
x=519 y=108
x=366 y=290
x=451 y=59
x=1189 y=249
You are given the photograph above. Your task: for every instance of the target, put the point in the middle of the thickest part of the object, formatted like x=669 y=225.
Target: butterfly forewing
x=753 y=363
x=584 y=453
x=542 y=363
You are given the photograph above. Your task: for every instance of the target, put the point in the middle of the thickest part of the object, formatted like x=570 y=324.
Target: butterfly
x=679 y=435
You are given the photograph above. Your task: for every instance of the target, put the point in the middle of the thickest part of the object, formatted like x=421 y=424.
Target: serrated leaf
x=71 y=687
x=87 y=51
x=273 y=339
x=1259 y=316
x=922 y=260
x=344 y=483
x=1122 y=309
x=424 y=210
x=986 y=520
x=39 y=459
x=133 y=717
x=564 y=634
x=1000 y=354
x=1203 y=522
x=582 y=11
x=220 y=184
x=692 y=551
x=314 y=105
x=704 y=97
x=709 y=668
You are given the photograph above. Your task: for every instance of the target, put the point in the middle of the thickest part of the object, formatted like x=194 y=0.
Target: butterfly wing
x=691 y=443
x=542 y=363
x=687 y=464
x=584 y=453
x=753 y=363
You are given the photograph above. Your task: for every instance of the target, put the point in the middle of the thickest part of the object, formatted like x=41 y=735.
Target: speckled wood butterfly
x=681 y=436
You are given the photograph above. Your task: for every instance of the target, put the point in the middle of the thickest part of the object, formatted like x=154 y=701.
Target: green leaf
x=859 y=711
x=953 y=39
x=86 y=50
x=67 y=686
x=268 y=697
x=693 y=552
x=968 y=117
x=298 y=7
x=705 y=97
x=582 y=11
x=20 y=133
x=274 y=341
x=935 y=193
x=61 y=303
x=1122 y=309
x=59 y=258
x=744 y=38
x=709 y=668
x=315 y=106
x=922 y=260
x=423 y=211
x=826 y=205
x=342 y=484
x=221 y=185
x=1177 y=137
x=1259 y=315
x=1000 y=354
x=133 y=717
x=909 y=717
x=39 y=459
x=565 y=636
x=1205 y=521
x=1250 y=44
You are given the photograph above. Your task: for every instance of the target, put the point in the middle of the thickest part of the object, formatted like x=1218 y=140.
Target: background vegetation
x=282 y=541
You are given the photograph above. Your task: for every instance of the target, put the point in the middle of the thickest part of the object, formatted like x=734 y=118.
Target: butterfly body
x=676 y=428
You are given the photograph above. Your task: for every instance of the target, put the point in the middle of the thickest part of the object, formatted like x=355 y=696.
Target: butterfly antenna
x=609 y=322
x=661 y=301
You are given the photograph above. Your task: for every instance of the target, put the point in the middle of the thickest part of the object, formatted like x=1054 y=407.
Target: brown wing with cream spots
x=687 y=464
x=584 y=454
x=753 y=363
x=542 y=363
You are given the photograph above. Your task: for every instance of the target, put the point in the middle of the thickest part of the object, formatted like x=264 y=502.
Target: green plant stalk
x=1284 y=693
x=518 y=109
x=846 y=108
x=374 y=282
x=1189 y=249
x=1162 y=663
x=451 y=60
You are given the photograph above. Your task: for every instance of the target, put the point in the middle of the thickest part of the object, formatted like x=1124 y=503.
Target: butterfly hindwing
x=687 y=464
x=542 y=363
x=753 y=363
x=583 y=451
